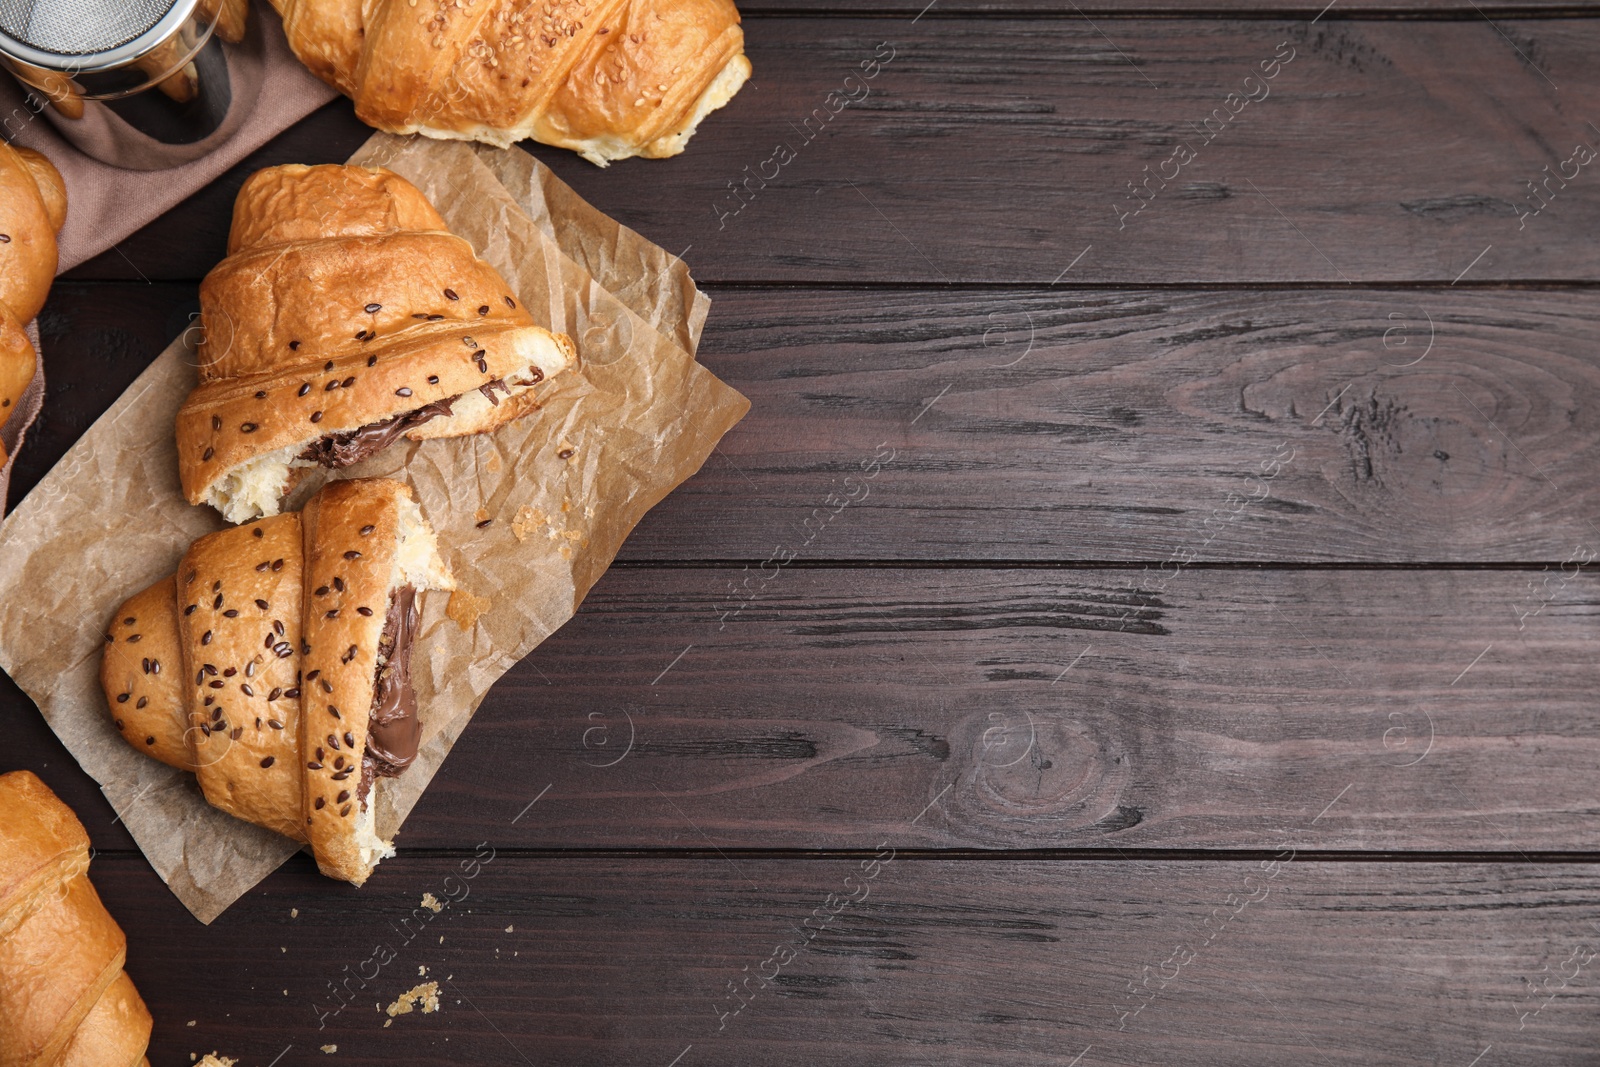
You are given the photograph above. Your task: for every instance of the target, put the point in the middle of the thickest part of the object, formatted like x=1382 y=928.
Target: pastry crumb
x=294 y=913
x=423 y=997
x=510 y=928
x=330 y=1049
x=422 y=972
x=465 y=608
x=215 y=1059
x=526 y=521
x=431 y=902
x=191 y=1022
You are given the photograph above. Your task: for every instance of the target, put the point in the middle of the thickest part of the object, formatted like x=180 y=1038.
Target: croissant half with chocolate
x=607 y=78
x=64 y=998
x=33 y=206
x=345 y=317
x=276 y=665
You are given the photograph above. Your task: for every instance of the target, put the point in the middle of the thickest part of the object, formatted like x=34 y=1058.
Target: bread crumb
x=388 y=1022
x=465 y=608
x=424 y=997
x=431 y=902
x=422 y=972
x=566 y=552
x=526 y=521
x=330 y=1049
x=191 y=1022
x=510 y=928
x=294 y=913
x=282 y=949
x=215 y=1059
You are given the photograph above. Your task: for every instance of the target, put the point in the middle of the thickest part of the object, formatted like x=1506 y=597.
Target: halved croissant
x=608 y=79
x=346 y=316
x=33 y=206
x=64 y=999
x=275 y=665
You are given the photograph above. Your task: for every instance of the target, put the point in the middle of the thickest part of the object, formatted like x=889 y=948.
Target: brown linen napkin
x=106 y=204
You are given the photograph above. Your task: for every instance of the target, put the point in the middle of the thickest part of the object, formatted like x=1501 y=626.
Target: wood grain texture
x=1080 y=709
x=1418 y=425
x=628 y=961
x=993 y=151
x=1343 y=9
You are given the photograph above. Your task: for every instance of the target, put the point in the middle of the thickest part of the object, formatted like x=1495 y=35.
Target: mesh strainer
x=80 y=28
x=139 y=83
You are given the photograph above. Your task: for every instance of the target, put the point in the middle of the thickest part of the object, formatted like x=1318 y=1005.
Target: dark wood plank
x=1387 y=150
x=1230 y=705
x=555 y=960
x=1079 y=426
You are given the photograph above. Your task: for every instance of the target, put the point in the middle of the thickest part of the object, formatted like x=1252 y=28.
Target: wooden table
x=1147 y=616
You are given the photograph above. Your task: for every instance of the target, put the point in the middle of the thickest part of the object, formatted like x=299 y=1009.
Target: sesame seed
x=122 y=698
x=366 y=530
x=510 y=303
x=328 y=365
x=262 y=604
x=450 y=294
x=231 y=613
x=190 y=609
x=316 y=416
x=216 y=422
x=142 y=702
x=321 y=802
x=261 y=394
x=433 y=379
x=352 y=554
x=372 y=361
x=205 y=638
x=305 y=388
x=207 y=454
x=275 y=694
x=484 y=523
x=364 y=611
x=348 y=382
x=373 y=309
x=484 y=310
x=332 y=614
x=248 y=427
x=294 y=346
x=244 y=687
x=269 y=761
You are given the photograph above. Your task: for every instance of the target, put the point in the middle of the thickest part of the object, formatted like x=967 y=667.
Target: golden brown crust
x=608 y=78
x=346 y=570
x=44 y=845
x=142 y=672
x=274 y=633
x=335 y=311
x=239 y=625
x=116 y=1031
x=64 y=999
x=295 y=202
x=17 y=365
x=28 y=251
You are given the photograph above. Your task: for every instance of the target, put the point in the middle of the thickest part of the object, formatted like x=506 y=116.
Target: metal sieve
x=142 y=84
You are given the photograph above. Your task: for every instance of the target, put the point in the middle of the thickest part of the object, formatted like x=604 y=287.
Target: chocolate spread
x=393 y=731
x=338 y=450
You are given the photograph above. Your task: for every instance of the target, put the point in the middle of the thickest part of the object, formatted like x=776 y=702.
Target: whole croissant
x=608 y=79
x=345 y=317
x=275 y=664
x=33 y=206
x=64 y=999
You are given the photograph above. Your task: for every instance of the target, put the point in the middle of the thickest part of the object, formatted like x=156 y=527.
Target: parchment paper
x=638 y=416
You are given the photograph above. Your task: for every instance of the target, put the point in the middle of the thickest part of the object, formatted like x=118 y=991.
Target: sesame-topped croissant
x=345 y=317
x=608 y=79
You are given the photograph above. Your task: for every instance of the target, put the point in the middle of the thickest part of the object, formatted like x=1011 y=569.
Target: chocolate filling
x=393 y=731
x=339 y=450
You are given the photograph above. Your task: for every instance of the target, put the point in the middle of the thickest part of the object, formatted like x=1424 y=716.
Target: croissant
x=275 y=665
x=33 y=206
x=607 y=78
x=344 y=317
x=64 y=998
